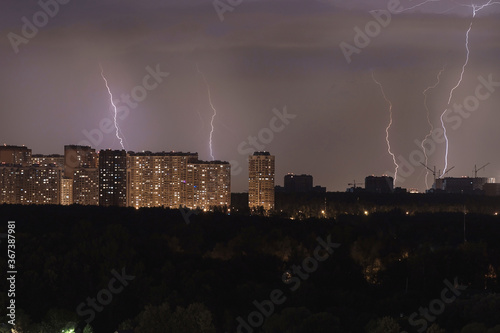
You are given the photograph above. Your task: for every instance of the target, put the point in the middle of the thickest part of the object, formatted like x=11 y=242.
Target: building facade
x=66 y=191
x=113 y=178
x=173 y=179
x=491 y=189
x=176 y=193
x=45 y=160
x=10 y=182
x=146 y=182
x=208 y=185
x=86 y=186
x=298 y=183
x=81 y=165
x=261 y=170
x=462 y=185
x=41 y=185
x=383 y=184
x=30 y=184
x=78 y=157
x=17 y=155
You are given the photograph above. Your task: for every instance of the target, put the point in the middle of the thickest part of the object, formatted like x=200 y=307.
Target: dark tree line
x=202 y=276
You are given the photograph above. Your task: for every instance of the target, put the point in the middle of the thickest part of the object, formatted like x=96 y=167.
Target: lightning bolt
x=213 y=108
x=475 y=10
x=429 y=121
x=416 y=6
x=478 y=8
x=114 y=107
x=389 y=150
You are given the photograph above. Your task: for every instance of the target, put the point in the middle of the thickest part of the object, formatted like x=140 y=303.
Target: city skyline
x=63 y=160
x=116 y=178
x=338 y=118
x=250 y=166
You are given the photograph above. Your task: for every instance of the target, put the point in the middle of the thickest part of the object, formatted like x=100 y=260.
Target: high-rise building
x=86 y=186
x=261 y=181
x=208 y=185
x=113 y=178
x=298 y=183
x=146 y=179
x=466 y=185
x=80 y=165
x=15 y=155
x=10 y=181
x=40 y=185
x=66 y=191
x=22 y=182
x=176 y=177
x=383 y=184
x=45 y=160
x=77 y=157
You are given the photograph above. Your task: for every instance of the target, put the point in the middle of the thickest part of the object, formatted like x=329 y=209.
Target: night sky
x=265 y=55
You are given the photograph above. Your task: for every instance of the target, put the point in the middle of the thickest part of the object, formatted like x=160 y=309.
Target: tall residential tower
x=113 y=178
x=261 y=181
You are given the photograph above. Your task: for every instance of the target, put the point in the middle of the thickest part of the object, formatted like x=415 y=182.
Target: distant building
x=31 y=184
x=15 y=155
x=22 y=182
x=159 y=179
x=279 y=189
x=45 y=160
x=86 y=186
x=66 y=191
x=298 y=183
x=41 y=185
x=319 y=189
x=208 y=185
x=465 y=185
x=400 y=190
x=113 y=178
x=10 y=182
x=146 y=180
x=355 y=189
x=491 y=189
x=261 y=181
x=176 y=179
x=177 y=191
x=80 y=165
x=383 y=184
x=78 y=157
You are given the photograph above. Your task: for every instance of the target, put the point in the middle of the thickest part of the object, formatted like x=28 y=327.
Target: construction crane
x=481 y=168
x=447 y=171
x=434 y=173
x=354 y=184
